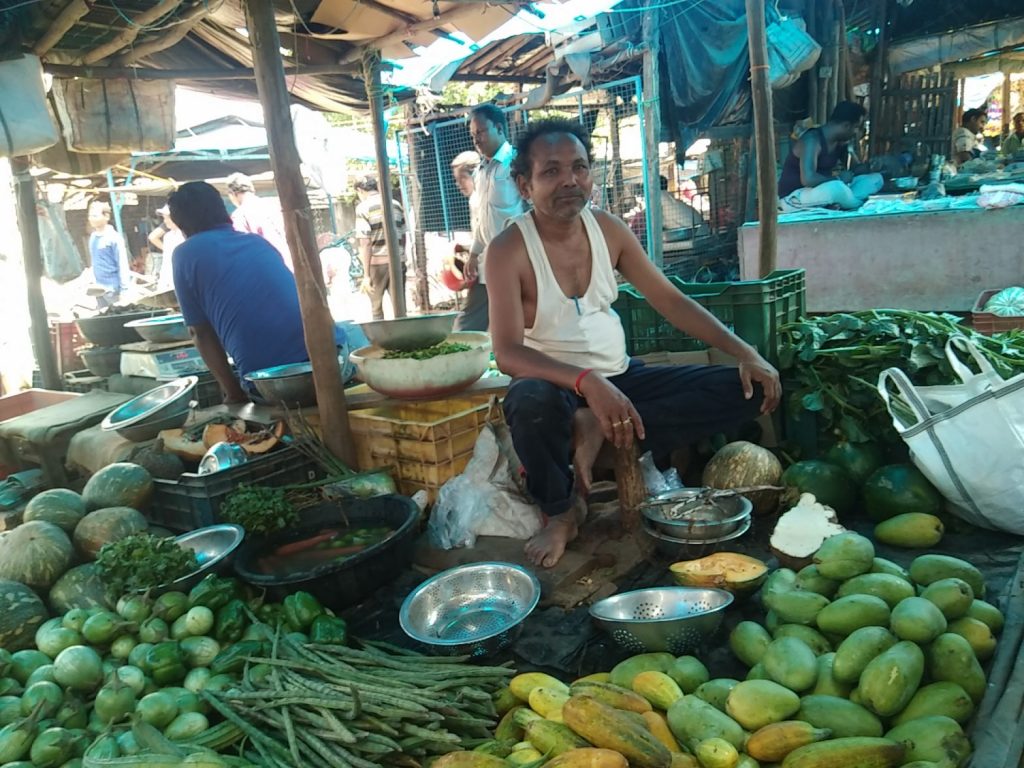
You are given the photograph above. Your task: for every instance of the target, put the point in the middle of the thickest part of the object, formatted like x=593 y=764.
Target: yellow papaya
x=521 y=685
x=612 y=695
x=588 y=757
x=469 y=760
x=730 y=571
x=851 y=752
x=658 y=688
x=911 y=530
x=756 y=703
x=776 y=740
x=658 y=726
x=717 y=753
x=977 y=633
x=597 y=677
x=524 y=756
x=623 y=673
x=548 y=703
x=684 y=760
x=609 y=728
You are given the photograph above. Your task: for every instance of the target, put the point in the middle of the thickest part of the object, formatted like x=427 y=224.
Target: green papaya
x=811 y=580
x=756 y=703
x=857 y=650
x=623 y=673
x=952 y=596
x=936 y=738
x=951 y=659
x=911 y=530
x=816 y=641
x=881 y=565
x=842 y=716
x=844 y=556
x=890 y=588
x=943 y=698
x=692 y=720
x=689 y=673
x=827 y=684
x=917 y=620
x=987 y=614
x=748 y=641
x=927 y=569
x=851 y=613
x=716 y=691
x=977 y=633
x=796 y=606
x=891 y=679
x=790 y=662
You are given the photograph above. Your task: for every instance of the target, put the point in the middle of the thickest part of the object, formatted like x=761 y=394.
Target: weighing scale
x=163 y=362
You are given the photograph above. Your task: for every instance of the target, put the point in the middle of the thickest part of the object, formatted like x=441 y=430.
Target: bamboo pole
x=127 y=35
x=146 y=73
x=416 y=200
x=652 y=127
x=32 y=256
x=284 y=160
x=764 y=136
x=878 y=69
x=427 y=25
x=617 y=203
x=177 y=33
x=65 y=20
x=375 y=96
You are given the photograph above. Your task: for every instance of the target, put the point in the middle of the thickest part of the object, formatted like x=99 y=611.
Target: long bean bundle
x=372 y=707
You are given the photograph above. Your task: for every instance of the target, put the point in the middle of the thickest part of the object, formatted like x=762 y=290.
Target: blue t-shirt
x=106 y=250
x=238 y=284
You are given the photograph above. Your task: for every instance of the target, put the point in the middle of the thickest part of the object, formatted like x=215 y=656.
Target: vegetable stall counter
x=936 y=260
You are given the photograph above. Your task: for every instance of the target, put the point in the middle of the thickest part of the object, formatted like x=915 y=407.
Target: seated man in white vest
x=551 y=286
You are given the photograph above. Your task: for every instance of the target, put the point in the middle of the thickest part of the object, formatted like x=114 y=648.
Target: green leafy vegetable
x=143 y=561
x=831 y=365
x=425 y=353
x=259 y=510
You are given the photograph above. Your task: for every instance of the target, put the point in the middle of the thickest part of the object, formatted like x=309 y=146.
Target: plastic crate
x=207 y=392
x=988 y=323
x=193 y=501
x=424 y=444
x=753 y=309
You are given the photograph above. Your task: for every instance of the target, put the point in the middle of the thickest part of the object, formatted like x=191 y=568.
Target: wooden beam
x=427 y=25
x=375 y=96
x=32 y=256
x=144 y=73
x=878 y=72
x=764 y=136
x=651 y=91
x=65 y=20
x=469 y=77
x=1006 y=104
x=394 y=13
x=298 y=222
x=177 y=33
x=416 y=202
x=127 y=35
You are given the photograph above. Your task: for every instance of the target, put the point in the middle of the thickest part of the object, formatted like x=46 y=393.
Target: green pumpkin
x=60 y=506
x=21 y=614
x=119 y=485
x=81 y=587
x=106 y=525
x=36 y=553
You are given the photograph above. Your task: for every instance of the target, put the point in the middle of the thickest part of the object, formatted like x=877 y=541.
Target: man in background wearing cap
x=166 y=238
x=256 y=215
x=373 y=248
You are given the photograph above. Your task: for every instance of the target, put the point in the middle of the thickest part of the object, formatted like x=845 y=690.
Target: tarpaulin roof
x=972 y=42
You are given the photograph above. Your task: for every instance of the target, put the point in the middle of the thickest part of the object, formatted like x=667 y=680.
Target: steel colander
x=672 y=619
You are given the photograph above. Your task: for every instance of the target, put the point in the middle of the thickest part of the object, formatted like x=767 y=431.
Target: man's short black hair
x=663 y=183
x=367 y=184
x=492 y=113
x=971 y=114
x=197 y=207
x=848 y=112
x=546 y=127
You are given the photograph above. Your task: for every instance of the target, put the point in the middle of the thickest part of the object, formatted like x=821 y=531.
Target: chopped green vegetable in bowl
x=425 y=353
x=143 y=561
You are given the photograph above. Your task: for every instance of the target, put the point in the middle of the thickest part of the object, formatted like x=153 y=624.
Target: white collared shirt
x=495 y=200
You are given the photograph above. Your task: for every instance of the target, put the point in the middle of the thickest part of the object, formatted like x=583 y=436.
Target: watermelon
x=744 y=465
x=119 y=485
x=897 y=489
x=60 y=506
x=829 y=484
x=80 y=587
x=21 y=614
x=106 y=525
x=858 y=459
x=1009 y=302
x=35 y=553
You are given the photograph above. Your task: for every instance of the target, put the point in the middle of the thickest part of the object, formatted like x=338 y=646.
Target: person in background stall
x=166 y=238
x=235 y=292
x=551 y=288
x=809 y=178
x=453 y=274
x=495 y=201
x=1014 y=143
x=965 y=138
x=373 y=247
x=254 y=214
x=108 y=254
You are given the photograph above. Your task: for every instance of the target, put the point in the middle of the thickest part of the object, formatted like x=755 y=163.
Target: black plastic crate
x=193 y=501
x=207 y=392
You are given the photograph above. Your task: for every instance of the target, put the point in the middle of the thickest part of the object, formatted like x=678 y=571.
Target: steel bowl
x=905 y=182
x=163 y=329
x=108 y=330
x=222 y=456
x=682 y=514
x=688 y=549
x=430 y=379
x=102 y=361
x=143 y=417
x=672 y=619
x=473 y=610
x=214 y=546
x=407 y=333
x=290 y=384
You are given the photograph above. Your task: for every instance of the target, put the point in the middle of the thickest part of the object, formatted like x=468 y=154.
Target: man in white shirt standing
x=495 y=201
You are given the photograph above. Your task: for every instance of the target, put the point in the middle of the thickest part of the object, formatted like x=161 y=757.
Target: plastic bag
x=61 y=259
x=790 y=51
x=486 y=499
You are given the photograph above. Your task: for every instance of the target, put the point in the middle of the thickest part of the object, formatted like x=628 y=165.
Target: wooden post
x=878 y=72
x=32 y=256
x=416 y=201
x=298 y=224
x=651 y=93
x=617 y=204
x=375 y=96
x=631 y=486
x=764 y=136
x=1006 y=105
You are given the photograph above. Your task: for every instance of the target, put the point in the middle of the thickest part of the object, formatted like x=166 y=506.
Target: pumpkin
x=253 y=443
x=159 y=462
x=119 y=485
x=106 y=525
x=21 y=614
x=183 y=444
x=744 y=465
x=60 y=506
x=80 y=587
x=35 y=553
x=730 y=571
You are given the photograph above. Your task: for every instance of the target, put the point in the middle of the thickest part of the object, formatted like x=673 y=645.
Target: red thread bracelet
x=579 y=380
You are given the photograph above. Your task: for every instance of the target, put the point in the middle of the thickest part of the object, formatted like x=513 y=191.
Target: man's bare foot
x=547 y=547
x=587 y=441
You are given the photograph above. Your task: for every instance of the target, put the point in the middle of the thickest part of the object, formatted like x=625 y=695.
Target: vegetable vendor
x=965 y=138
x=236 y=293
x=554 y=331
x=808 y=177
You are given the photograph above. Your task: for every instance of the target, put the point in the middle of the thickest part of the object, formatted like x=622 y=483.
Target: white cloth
x=964 y=140
x=583 y=331
x=172 y=239
x=835 y=192
x=495 y=200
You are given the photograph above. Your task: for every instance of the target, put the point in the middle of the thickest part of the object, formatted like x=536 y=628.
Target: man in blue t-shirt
x=236 y=293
